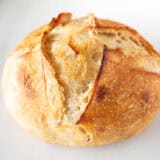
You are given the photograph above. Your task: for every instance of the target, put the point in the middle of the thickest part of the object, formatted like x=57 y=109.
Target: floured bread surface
x=65 y=82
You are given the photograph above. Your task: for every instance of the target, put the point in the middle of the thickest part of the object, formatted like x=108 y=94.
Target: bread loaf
x=83 y=82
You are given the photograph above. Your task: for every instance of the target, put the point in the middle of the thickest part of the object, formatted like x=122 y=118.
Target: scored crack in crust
x=83 y=82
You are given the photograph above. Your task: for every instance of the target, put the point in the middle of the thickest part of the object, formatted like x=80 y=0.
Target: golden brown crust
x=125 y=96
x=108 y=24
x=124 y=99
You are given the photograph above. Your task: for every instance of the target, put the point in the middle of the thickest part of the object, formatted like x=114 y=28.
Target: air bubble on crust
x=84 y=131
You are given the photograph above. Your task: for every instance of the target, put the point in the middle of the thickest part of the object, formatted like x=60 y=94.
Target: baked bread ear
x=83 y=82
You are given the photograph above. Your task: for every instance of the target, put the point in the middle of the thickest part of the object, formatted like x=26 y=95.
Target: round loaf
x=83 y=82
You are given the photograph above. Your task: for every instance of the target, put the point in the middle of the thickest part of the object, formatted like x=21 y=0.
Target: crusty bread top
x=90 y=74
